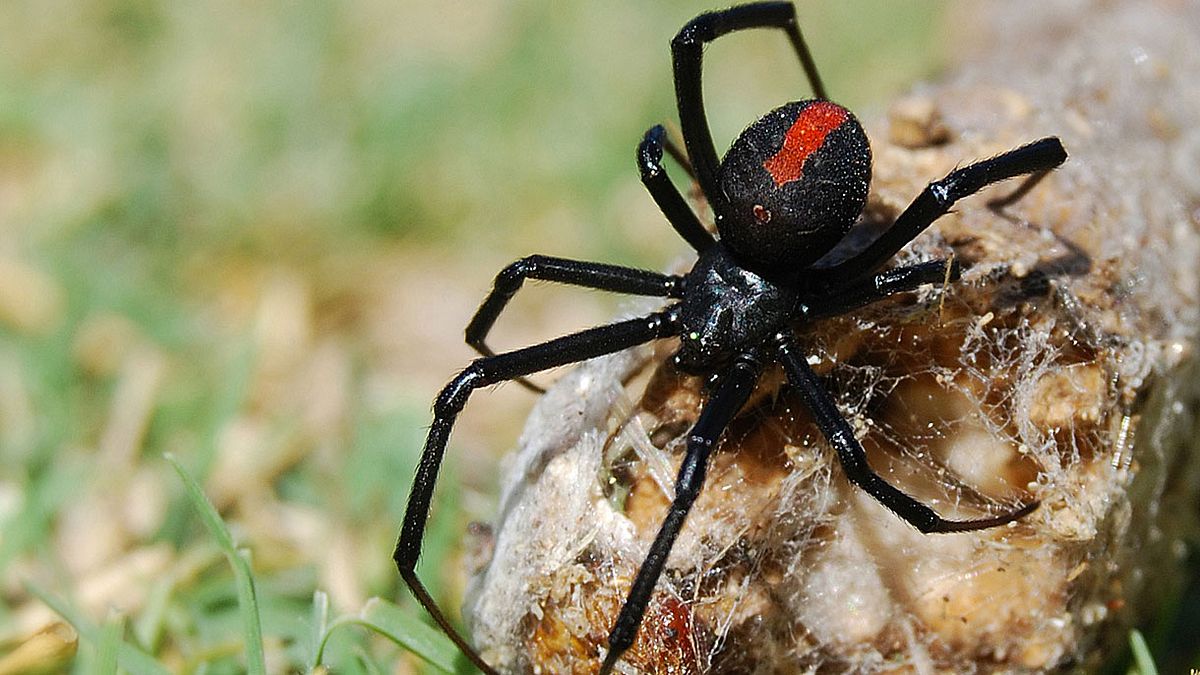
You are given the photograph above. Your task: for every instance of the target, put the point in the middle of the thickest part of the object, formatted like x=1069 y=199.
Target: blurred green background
x=250 y=235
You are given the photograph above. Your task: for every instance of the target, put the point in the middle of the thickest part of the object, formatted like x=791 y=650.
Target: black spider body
x=791 y=186
x=788 y=190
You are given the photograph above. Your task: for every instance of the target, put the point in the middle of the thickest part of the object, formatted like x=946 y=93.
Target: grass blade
x=410 y=632
x=405 y=630
x=130 y=658
x=1143 y=661
x=244 y=581
x=110 y=644
x=320 y=626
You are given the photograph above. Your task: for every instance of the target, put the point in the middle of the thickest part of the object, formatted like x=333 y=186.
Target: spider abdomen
x=792 y=185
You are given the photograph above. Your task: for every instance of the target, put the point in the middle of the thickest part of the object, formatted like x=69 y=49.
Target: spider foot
x=942 y=526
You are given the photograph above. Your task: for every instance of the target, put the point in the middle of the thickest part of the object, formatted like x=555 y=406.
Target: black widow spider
x=789 y=189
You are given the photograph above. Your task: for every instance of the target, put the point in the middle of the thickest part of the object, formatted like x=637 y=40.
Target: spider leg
x=854 y=460
x=664 y=192
x=679 y=155
x=450 y=402
x=731 y=393
x=1037 y=157
x=999 y=203
x=687 y=51
x=861 y=292
x=600 y=276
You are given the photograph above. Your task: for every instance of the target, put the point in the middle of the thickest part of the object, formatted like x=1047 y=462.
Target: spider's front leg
x=687 y=49
x=1034 y=160
x=854 y=459
x=664 y=192
x=731 y=394
x=600 y=276
x=450 y=402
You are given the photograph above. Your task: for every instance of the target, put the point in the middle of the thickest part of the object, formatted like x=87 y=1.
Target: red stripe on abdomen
x=805 y=137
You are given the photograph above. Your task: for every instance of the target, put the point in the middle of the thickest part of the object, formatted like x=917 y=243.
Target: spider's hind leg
x=450 y=402
x=854 y=459
x=678 y=153
x=1034 y=160
x=1000 y=203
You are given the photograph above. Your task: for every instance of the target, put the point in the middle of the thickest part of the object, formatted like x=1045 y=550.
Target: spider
x=788 y=190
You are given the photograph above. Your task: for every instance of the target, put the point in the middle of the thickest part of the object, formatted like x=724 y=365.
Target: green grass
x=238 y=559
x=1143 y=661
x=390 y=621
x=106 y=637
x=377 y=616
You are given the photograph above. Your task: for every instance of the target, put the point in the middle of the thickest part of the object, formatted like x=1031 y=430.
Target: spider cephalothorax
x=726 y=307
x=789 y=189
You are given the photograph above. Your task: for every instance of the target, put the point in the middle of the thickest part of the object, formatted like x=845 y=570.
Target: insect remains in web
x=787 y=191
